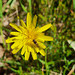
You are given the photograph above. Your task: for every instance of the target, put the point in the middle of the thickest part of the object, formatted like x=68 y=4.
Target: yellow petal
x=23 y=49
x=37 y=49
x=23 y=29
x=10 y=40
x=23 y=24
x=15 y=26
x=37 y=28
x=30 y=49
x=41 y=45
x=45 y=38
x=18 y=37
x=39 y=36
x=29 y=19
x=27 y=54
x=20 y=44
x=44 y=28
x=15 y=51
x=34 y=21
x=34 y=55
x=15 y=45
x=14 y=33
x=42 y=52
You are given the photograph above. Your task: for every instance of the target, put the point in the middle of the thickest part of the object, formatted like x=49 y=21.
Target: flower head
x=29 y=38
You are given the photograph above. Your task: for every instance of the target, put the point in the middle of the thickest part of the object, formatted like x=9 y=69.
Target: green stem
x=1 y=16
x=30 y=6
x=46 y=62
x=46 y=2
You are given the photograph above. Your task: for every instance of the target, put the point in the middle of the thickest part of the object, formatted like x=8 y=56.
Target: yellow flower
x=29 y=38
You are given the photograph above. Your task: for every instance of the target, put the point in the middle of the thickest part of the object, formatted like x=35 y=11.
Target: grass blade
x=74 y=4
x=0 y=8
x=23 y=7
x=7 y=4
x=30 y=6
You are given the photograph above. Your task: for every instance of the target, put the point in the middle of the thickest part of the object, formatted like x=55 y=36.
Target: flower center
x=31 y=35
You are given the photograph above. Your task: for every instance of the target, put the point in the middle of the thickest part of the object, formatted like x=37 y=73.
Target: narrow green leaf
x=23 y=7
x=8 y=46
x=51 y=63
x=42 y=17
x=13 y=62
x=14 y=70
x=7 y=30
x=1 y=8
x=74 y=4
x=30 y=6
x=41 y=61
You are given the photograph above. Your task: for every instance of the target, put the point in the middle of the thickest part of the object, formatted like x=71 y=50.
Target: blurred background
x=60 y=53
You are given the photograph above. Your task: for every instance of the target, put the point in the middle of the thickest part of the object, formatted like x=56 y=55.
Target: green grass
x=60 y=54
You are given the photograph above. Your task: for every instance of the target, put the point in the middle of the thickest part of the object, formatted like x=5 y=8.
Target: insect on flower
x=29 y=38
x=35 y=43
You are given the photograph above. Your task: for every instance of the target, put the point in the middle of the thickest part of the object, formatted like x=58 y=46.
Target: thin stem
x=1 y=16
x=30 y=6
x=46 y=2
x=46 y=62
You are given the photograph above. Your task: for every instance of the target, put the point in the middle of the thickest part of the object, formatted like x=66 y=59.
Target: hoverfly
x=35 y=43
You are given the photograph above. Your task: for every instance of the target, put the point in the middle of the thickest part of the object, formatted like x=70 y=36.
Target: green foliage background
x=60 y=55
